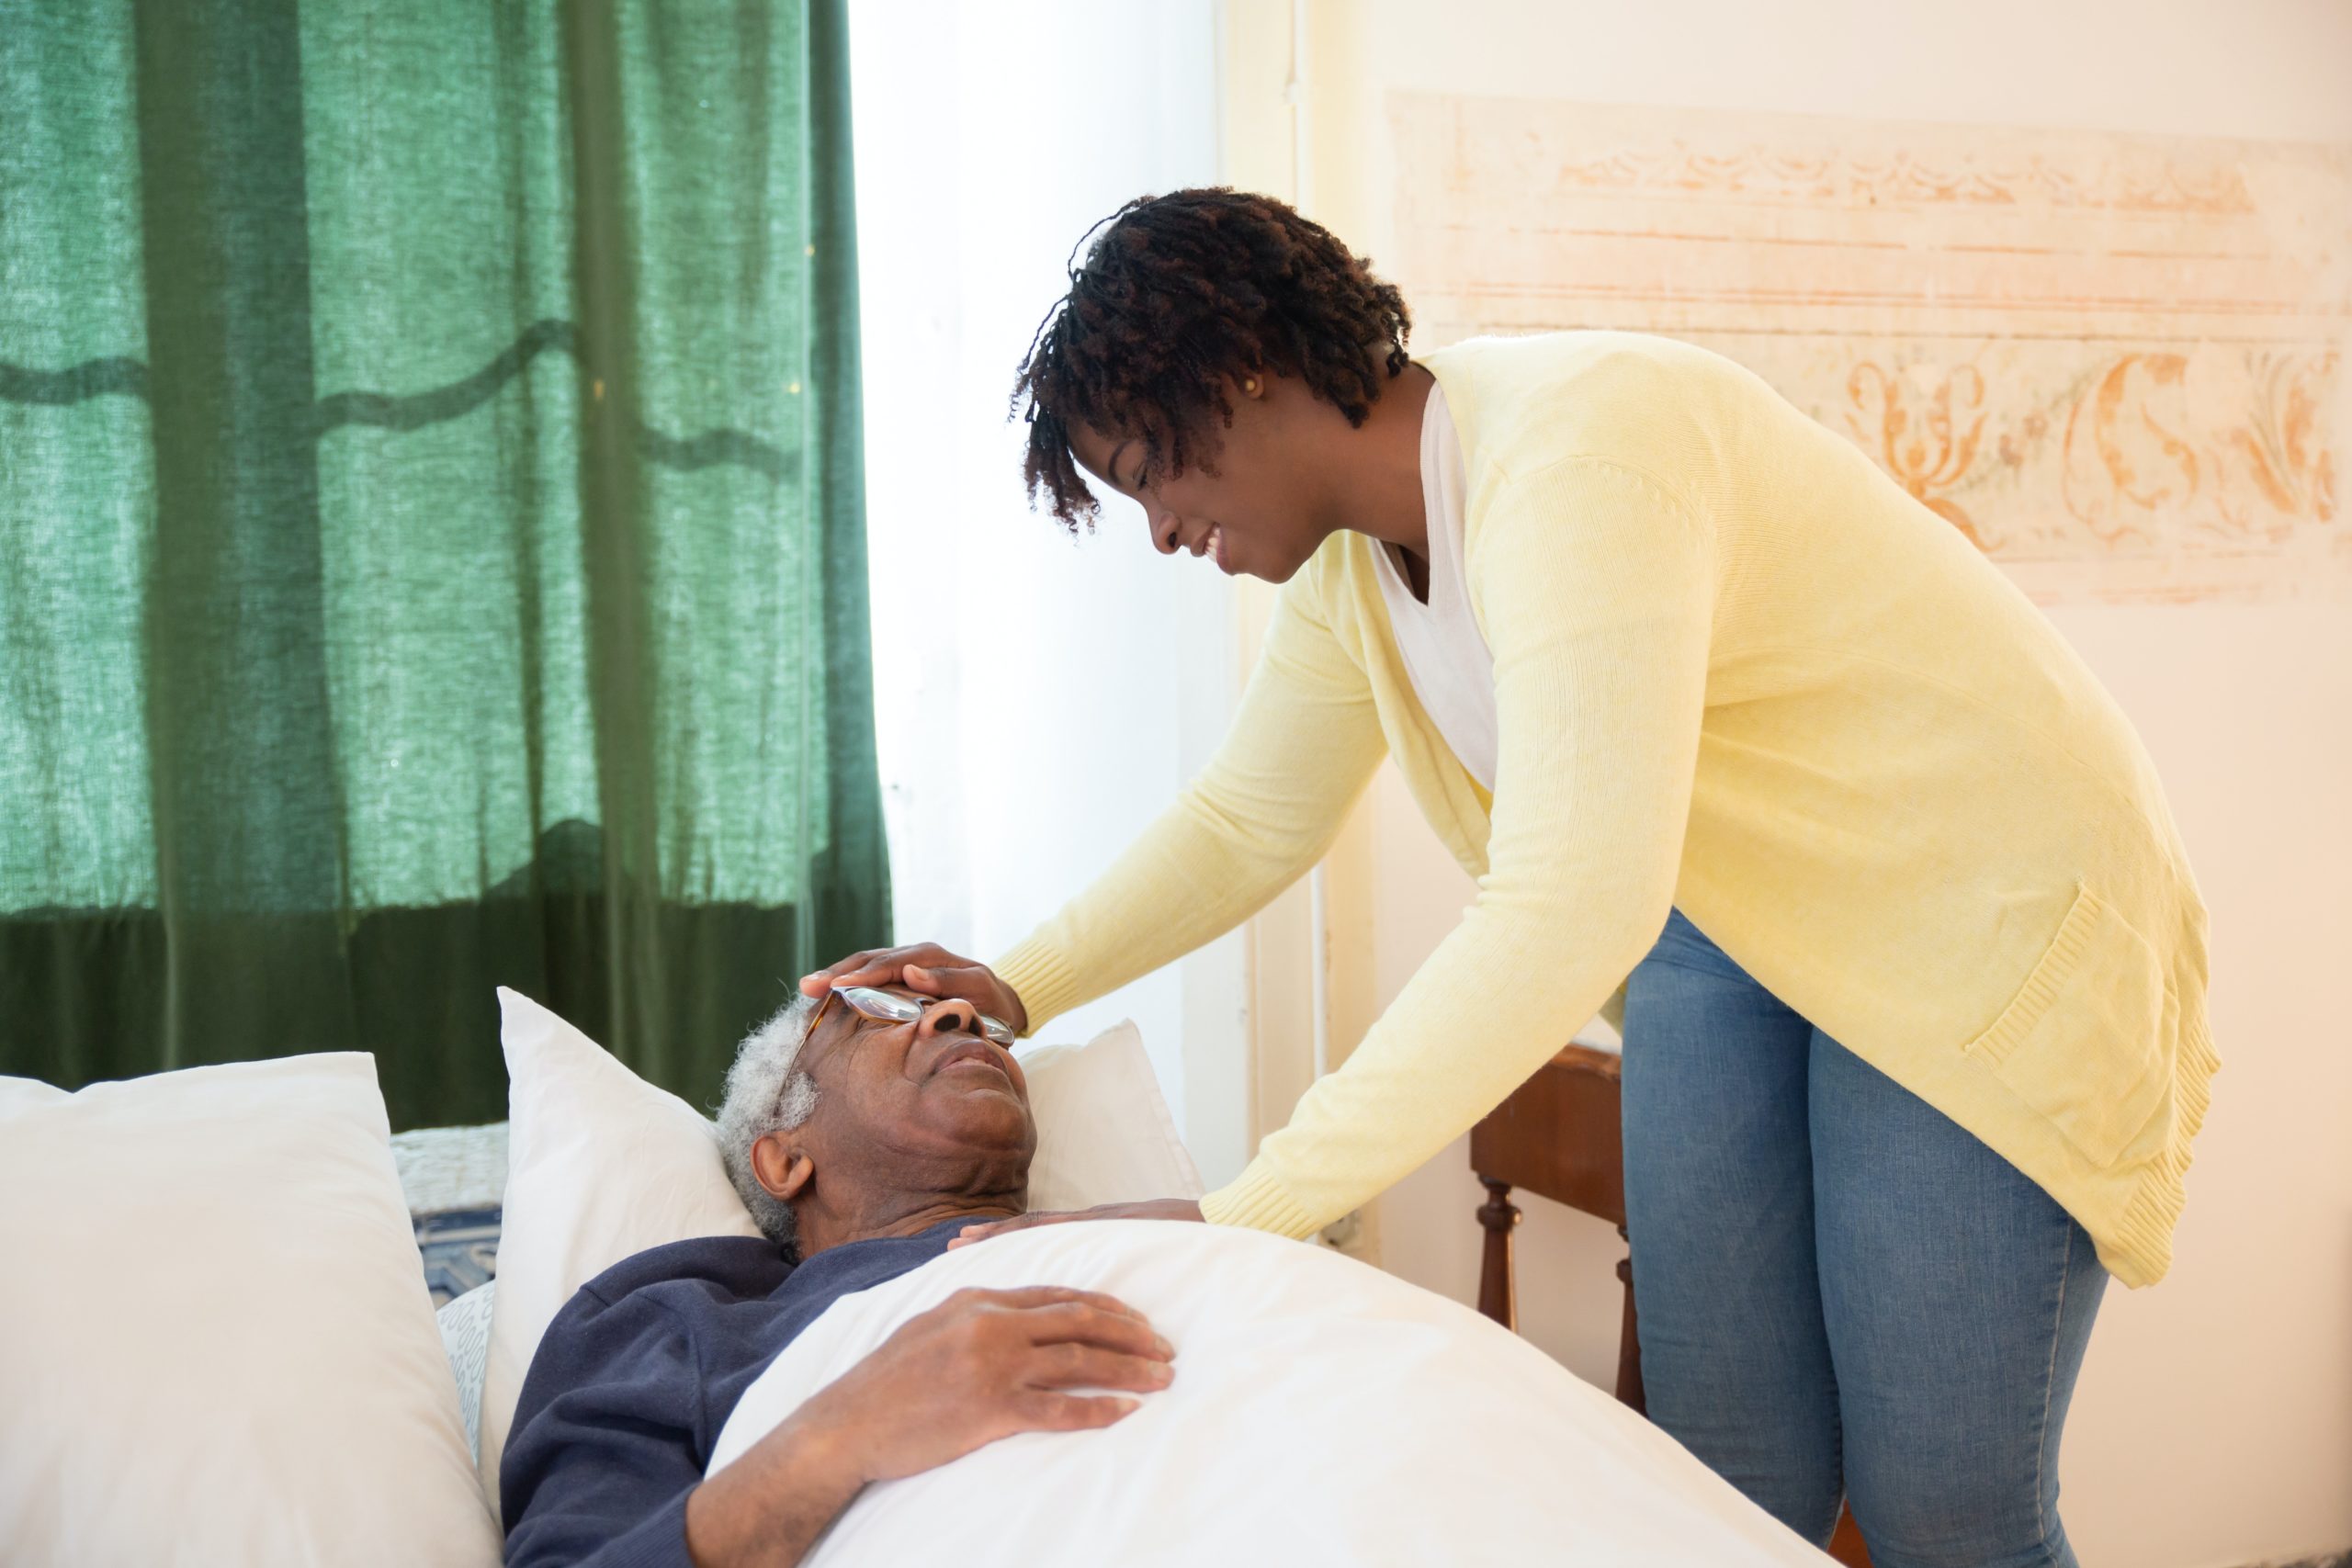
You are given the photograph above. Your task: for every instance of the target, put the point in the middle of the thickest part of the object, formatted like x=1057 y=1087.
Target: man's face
x=929 y=1105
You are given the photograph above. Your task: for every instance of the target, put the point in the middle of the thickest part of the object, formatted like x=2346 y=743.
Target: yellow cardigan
x=1739 y=670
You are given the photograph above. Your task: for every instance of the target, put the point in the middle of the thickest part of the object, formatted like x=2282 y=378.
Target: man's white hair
x=767 y=1091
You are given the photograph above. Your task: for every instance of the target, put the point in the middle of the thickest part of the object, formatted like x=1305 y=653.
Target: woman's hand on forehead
x=926 y=970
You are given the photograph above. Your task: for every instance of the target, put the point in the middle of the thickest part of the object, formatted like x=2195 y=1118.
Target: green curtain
x=431 y=536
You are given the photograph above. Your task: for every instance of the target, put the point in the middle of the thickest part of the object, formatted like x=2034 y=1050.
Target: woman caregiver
x=1913 y=962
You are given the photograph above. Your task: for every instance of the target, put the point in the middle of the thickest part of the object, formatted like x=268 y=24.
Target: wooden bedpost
x=1629 y=1341
x=1498 y=1293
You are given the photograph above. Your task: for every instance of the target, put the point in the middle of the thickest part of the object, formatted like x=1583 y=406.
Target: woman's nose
x=1164 y=529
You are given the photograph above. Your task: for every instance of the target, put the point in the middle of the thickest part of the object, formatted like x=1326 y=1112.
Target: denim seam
x=2049 y=1387
x=1838 y=1450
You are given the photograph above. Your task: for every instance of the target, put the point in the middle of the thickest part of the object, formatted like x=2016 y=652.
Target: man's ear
x=782 y=1169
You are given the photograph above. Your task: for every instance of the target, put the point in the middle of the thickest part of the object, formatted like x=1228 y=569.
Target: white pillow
x=216 y=1342
x=602 y=1164
x=1104 y=1134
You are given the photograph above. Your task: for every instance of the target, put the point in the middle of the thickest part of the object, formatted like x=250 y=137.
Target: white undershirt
x=1452 y=670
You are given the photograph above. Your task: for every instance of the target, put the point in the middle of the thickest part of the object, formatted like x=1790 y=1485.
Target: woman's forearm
x=1304 y=742
x=1183 y=884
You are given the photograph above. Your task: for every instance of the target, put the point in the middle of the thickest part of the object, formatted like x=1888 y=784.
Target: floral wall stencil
x=2114 y=362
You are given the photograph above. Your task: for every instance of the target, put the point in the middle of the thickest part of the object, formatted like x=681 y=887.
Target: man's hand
x=927 y=967
x=986 y=1364
x=1150 y=1209
x=980 y=1366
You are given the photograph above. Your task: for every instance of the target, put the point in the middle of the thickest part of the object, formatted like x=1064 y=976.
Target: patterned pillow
x=465 y=1339
x=460 y=1251
x=456 y=1180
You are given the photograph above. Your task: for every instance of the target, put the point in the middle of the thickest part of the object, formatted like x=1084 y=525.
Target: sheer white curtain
x=1039 y=699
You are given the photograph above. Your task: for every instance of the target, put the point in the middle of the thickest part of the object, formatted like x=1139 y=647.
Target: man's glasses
x=892 y=1008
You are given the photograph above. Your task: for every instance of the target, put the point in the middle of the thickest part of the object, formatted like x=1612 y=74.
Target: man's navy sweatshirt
x=639 y=1372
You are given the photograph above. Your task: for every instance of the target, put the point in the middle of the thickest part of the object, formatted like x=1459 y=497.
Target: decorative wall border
x=2115 y=362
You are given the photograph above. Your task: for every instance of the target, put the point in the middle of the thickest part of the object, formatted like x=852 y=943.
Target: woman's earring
x=1250 y=385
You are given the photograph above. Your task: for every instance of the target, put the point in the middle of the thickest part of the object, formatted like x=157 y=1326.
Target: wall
x=2213 y=1421
x=1029 y=716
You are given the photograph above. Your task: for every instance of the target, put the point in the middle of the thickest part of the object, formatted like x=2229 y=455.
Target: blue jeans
x=1842 y=1293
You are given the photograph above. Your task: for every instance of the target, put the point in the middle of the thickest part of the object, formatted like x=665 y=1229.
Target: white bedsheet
x=1322 y=1412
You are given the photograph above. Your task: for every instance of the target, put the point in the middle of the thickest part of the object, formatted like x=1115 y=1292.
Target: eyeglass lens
x=894 y=1009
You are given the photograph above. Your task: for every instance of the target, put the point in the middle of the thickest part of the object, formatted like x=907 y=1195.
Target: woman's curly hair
x=1178 y=294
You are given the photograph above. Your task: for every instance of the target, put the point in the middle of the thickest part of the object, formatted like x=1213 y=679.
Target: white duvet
x=1322 y=1412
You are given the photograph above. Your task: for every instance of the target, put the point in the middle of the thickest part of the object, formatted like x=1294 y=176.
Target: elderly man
x=863 y=1130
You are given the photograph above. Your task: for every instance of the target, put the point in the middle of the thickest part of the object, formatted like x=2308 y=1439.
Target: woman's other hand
x=927 y=967
x=1153 y=1209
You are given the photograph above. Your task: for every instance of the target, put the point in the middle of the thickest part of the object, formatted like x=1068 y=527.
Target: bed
x=256 y=1377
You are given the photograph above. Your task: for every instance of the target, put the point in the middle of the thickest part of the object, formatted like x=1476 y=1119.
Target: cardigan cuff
x=1255 y=1201
x=1042 y=978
